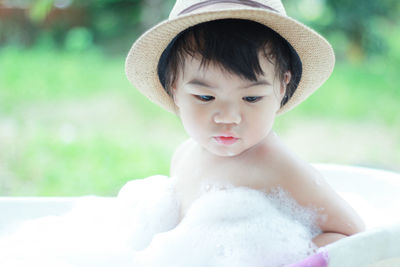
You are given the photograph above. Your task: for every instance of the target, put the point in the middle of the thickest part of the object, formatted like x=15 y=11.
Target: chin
x=228 y=152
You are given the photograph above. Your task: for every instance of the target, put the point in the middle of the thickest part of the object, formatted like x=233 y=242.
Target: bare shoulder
x=309 y=188
x=182 y=149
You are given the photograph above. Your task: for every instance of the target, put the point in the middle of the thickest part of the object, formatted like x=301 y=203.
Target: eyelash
x=207 y=98
x=254 y=99
x=204 y=98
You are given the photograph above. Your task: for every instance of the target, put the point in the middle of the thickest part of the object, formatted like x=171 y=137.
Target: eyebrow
x=260 y=82
x=202 y=83
x=199 y=82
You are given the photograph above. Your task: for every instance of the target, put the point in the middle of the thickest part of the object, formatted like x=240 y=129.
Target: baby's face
x=224 y=113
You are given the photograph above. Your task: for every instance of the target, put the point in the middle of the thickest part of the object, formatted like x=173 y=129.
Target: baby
x=228 y=68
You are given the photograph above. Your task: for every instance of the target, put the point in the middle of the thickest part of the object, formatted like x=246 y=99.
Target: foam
x=226 y=226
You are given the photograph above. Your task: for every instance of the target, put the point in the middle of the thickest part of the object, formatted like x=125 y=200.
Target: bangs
x=232 y=50
x=232 y=44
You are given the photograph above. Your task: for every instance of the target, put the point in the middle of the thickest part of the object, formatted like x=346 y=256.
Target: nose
x=227 y=113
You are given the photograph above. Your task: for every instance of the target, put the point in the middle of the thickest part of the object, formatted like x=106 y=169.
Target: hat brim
x=315 y=53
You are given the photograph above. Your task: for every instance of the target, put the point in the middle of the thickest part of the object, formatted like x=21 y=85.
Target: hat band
x=211 y=2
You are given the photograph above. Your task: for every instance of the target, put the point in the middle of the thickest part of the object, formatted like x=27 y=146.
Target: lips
x=226 y=140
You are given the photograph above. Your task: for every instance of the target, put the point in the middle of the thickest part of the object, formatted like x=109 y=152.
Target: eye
x=252 y=99
x=204 y=98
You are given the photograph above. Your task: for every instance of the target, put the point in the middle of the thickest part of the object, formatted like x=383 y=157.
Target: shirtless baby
x=227 y=78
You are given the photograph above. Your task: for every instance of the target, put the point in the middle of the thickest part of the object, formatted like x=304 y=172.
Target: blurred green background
x=71 y=124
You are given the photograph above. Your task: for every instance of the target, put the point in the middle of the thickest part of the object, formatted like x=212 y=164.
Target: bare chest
x=197 y=174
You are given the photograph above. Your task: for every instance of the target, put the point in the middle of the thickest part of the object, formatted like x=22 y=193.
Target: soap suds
x=231 y=227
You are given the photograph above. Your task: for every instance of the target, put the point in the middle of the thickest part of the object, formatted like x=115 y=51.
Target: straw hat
x=314 y=51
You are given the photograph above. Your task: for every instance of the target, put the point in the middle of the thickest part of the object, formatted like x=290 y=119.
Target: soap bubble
x=225 y=226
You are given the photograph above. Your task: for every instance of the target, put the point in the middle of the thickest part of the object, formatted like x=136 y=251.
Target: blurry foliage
x=104 y=22
x=40 y=9
x=70 y=123
x=356 y=29
x=363 y=22
x=78 y=39
x=359 y=28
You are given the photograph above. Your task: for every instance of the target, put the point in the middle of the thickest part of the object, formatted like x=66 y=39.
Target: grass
x=357 y=92
x=97 y=164
x=71 y=124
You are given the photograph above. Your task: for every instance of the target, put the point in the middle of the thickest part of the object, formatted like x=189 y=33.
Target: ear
x=173 y=91
x=287 y=76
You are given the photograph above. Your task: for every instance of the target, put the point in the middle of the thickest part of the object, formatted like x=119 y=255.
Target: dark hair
x=234 y=44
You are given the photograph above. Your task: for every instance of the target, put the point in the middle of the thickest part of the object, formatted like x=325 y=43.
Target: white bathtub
x=375 y=194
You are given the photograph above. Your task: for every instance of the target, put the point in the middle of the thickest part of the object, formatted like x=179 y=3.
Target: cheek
x=261 y=120
x=194 y=118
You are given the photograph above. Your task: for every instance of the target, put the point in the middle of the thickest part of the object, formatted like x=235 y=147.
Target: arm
x=327 y=238
x=337 y=219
